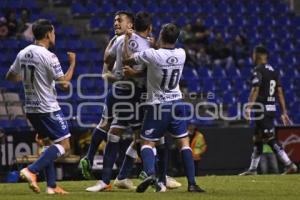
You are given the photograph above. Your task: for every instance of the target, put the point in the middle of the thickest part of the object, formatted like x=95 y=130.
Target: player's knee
x=104 y=124
x=183 y=142
x=274 y=145
x=65 y=144
x=116 y=131
x=63 y=149
x=113 y=138
x=131 y=152
x=150 y=146
x=162 y=141
x=257 y=149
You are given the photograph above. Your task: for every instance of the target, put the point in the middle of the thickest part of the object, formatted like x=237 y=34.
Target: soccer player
x=38 y=69
x=123 y=21
x=164 y=69
x=266 y=87
x=134 y=76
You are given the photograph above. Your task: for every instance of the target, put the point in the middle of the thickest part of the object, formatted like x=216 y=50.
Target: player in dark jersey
x=266 y=88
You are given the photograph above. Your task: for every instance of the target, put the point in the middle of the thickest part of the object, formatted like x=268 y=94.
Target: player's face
x=254 y=58
x=159 y=42
x=121 y=24
x=51 y=36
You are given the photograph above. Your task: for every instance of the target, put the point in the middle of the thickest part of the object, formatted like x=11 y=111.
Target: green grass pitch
x=218 y=187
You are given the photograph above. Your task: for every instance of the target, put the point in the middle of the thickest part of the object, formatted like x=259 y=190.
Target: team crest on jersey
x=29 y=55
x=149 y=132
x=172 y=60
x=133 y=44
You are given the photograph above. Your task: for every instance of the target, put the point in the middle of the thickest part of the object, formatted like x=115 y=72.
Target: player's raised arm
x=127 y=70
x=63 y=81
x=108 y=65
x=284 y=116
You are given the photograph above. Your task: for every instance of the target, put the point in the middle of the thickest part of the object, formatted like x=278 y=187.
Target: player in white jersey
x=164 y=69
x=123 y=21
x=38 y=69
x=134 y=85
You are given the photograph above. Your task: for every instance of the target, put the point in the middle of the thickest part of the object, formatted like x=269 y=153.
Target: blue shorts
x=129 y=112
x=161 y=118
x=50 y=125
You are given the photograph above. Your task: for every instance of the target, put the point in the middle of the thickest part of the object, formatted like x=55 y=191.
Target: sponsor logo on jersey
x=172 y=60
x=29 y=55
x=57 y=68
x=133 y=44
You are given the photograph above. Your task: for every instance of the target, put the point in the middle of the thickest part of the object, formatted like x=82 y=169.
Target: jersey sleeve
x=16 y=66
x=144 y=57
x=55 y=67
x=256 y=78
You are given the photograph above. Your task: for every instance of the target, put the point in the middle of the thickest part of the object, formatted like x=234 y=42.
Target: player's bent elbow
x=11 y=77
x=64 y=86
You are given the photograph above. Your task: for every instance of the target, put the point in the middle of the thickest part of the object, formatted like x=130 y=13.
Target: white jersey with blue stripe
x=39 y=68
x=136 y=43
x=164 y=69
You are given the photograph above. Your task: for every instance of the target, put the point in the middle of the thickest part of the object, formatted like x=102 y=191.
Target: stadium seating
x=271 y=22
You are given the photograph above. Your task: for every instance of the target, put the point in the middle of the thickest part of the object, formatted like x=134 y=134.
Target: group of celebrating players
x=145 y=76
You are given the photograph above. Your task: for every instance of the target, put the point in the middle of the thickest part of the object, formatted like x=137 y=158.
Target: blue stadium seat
x=78 y=9
x=194 y=7
x=19 y=123
x=207 y=85
x=193 y=85
x=237 y=8
x=107 y=8
x=121 y=6
x=92 y=8
x=243 y=96
x=233 y=72
x=224 y=85
x=207 y=7
x=223 y=7
x=218 y=72
x=252 y=7
x=5 y=123
x=203 y=72
x=210 y=21
x=190 y=73
x=137 y=6
x=253 y=21
x=281 y=8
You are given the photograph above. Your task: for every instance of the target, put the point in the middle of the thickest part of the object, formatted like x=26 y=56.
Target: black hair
x=170 y=33
x=261 y=50
x=143 y=20
x=41 y=27
x=127 y=13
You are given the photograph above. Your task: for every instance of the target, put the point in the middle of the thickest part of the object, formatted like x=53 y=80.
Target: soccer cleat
x=143 y=175
x=100 y=186
x=57 y=190
x=31 y=179
x=248 y=173
x=160 y=187
x=291 y=169
x=143 y=186
x=86 y=168
x=171 y=183
x=195 y=188
x=124 y=184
